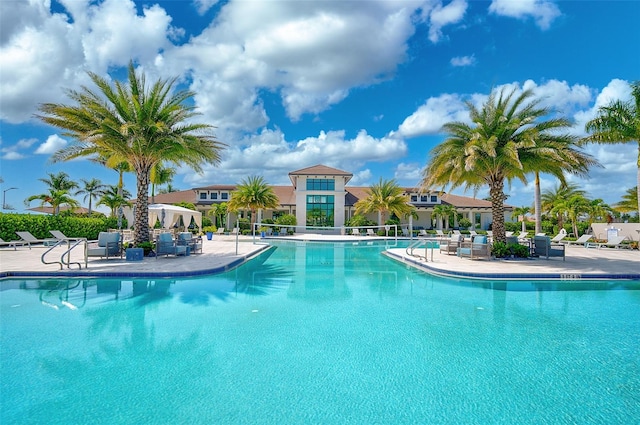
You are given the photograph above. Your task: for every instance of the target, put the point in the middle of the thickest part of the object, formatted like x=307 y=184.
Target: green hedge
x=39 y=225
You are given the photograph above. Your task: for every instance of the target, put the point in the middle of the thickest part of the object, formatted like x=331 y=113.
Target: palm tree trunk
x=142 y=206
x=496 y=192
x=538 y=205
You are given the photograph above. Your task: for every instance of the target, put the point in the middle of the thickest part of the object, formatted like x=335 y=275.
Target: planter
x=209 y=235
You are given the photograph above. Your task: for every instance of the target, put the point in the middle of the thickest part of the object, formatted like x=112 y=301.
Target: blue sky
x=362 y=86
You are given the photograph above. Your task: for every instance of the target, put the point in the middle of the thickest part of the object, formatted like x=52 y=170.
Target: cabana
x=168 y=215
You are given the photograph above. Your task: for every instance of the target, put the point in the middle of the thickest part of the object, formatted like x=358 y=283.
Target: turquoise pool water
x=323 y=334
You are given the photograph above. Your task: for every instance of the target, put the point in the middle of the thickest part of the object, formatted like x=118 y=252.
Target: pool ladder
x=67 y=253
x=427 y=243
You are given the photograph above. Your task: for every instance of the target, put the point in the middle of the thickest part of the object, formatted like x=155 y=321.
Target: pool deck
x=224 y=253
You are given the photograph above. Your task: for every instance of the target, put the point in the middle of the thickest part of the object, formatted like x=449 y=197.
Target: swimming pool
x=319 y=333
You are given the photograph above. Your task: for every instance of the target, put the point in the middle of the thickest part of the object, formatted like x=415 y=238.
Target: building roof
x=175 y=197
x=320 y=170
x=49 y=210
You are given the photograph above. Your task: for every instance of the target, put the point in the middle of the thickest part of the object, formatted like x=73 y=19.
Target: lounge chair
x=108 y=245
x=220 y=231
x=13 y=244
x=560 y=236
x=478 y=248
x=370 y=232
x=28 y=238
x=62 y=237
x=423 y=232
x=542 y=247
x=440 y=233
x=355 y=232
x=614 y=242
x=582 y=240
x=451 y=244
x=523 y=235
x=166 y=245
x=234 y=231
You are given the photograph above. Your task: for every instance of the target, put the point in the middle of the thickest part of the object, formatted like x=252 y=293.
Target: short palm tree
x=629 y=202
x=253 y=194
x=115 y=197
x=218 y=211
x=55 y=198
x=554 y=201
x=91 y=189
x=508 y=140
x=618 y=122
x=385 y=197
x=142 y=126
x=444 y=211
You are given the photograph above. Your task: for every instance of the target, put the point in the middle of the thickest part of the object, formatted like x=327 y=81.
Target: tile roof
x=320 y=170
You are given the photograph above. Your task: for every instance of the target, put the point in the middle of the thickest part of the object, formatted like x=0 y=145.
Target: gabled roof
x=320 y=169
x=284 y=194
x=175 y=197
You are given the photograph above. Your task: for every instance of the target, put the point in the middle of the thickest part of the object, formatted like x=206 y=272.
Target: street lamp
x=4 y=193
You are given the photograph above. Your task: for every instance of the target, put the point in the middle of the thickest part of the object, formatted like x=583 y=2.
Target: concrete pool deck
x=219 y=254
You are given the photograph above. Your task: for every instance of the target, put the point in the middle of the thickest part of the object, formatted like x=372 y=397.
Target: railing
x=388 y=229
x=429 y=244
x=77 y=242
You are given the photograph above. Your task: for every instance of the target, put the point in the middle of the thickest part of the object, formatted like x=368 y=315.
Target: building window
x=414 y=198
x=424 y=198
x=434 y=198
x=224 y=196
x=214 y=196
x=321 y=184
x=203 y=196
x=320 y=210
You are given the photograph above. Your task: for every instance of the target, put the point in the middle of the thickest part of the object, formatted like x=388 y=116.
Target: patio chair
x=187 y=239
x=108 y=245
x=28 y=238
x=370 y=232
x=423 y=232
x=614 y=242
x=220 y=231
x=405 y=232
x=582 y=240
x=13 y=244
x=479 y=247
x=440 y=233
x=523 y=235
x=355 y=232
x=451 y=244
x=234 y=231
x=166 y=245
x=542 y=247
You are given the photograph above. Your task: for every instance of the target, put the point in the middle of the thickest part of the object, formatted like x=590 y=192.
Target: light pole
x=4 y=194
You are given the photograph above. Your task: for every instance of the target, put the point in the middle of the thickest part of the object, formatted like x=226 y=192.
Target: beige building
x=319 y=196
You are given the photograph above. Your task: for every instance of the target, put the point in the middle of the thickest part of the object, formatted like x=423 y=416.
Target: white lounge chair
x=28 y=238
x=560 y=236
x=355 y=232
x=220 y=231
x=423 y=232
x=614 y=242
x=523 y=235
x=582 y=240
x=370 y=232
x=13 y=244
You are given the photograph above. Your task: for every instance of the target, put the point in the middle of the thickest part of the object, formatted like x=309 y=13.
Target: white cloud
x=203 y=6
x=409 y=172
x=463 y=61
x=542 y=11
x=51 y=145
x=615 y=90
x=445 y=15
x=430 y=117
x=12 y=152
x=11 y=155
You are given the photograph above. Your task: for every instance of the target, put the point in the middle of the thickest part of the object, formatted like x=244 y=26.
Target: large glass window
x=320 y=210
x=321 y=184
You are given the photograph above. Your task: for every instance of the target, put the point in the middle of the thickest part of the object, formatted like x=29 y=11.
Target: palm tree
x=521 y=212
x=619 y=122
x=59 y=187
x=112 y=198
x=142 y=126
x=385 y=197
x=252 y=194
x=598 y=211
x=218 y=212
x=60 y=181
x=554 y=201
x=159 y=176
x=55 y=198
x=508 y=140
x=92 y=189
x=629 y=202
x=168 y=189
x=444 y=211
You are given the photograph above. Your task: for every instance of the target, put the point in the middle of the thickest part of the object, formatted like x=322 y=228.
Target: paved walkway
x=223 y=253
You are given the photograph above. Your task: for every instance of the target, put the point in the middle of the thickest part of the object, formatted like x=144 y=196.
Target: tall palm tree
x=55 y=198
x=218 y=211
x=114 y=197
x=629 y=201
x=92 y=189
x=60 y=181
x=136 y=124
x=159 y=176
x=618 y=122
x=168 y=189
x=508 y=140
x=598 y=211
x=253 y=194
x=385 y=197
